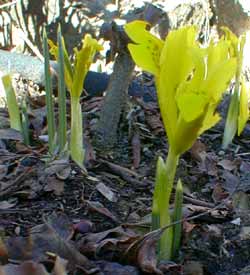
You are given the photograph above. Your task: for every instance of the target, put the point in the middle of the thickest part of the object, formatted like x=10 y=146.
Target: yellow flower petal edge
x=176 y=63
x=83 y=60
x=147 y=48
x=190 y=80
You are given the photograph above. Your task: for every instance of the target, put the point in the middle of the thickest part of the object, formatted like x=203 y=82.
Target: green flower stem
x=76 y=137
x=171 y=164
x=166 y=240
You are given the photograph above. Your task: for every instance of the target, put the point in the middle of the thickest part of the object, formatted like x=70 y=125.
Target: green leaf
x=13 y=109
x=49 y=96
x=244 y=108
x=160 y=209
x=232 y=120
x=237 y=112
x=160 y=188
x=76 y=136
x=68 y=70
x=62 y=129
x=177 y=216
x=25 y=123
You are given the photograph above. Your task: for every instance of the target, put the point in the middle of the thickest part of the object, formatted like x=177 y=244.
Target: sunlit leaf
x=13 y=109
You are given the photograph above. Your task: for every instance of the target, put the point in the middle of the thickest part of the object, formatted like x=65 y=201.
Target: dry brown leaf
x=110 y=242
x=106 y=192
x=227 y=164
x=10 y=134
x=26 y=268
x=98 y=207
x=52 y=236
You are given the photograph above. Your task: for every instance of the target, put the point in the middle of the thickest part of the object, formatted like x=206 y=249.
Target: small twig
x=13 y=210
x=198 y=202
x=6 y=5
x=35 y=50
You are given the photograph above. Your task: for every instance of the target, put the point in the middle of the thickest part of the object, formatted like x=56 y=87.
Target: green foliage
x=49 y=96
x=238 y=111
x=177 y=216
x=13 y=109
x=160 y=212
x=25 y=123
x=62 y=129
x=18 y=119
x=190 y=81
x=74 y=76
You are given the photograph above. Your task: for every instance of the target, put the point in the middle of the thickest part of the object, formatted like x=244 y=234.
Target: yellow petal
x=219 y=78
x=230 y=36
x=186 y=134
x=210 y=119
x=199 y=57
x=191 y=105
x=138 y=33
x=216 y=54
x=176 y=64
x=146 y=52
x=244 y=109
x=144 y=57
x=83 y=60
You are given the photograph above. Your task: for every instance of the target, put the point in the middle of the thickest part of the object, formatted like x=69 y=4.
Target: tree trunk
x=232 y=14
x=114 y=101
